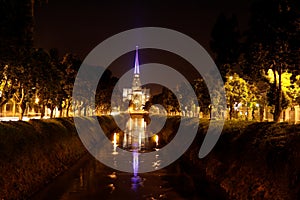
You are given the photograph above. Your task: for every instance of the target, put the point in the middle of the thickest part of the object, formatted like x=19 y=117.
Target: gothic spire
x=136 y=63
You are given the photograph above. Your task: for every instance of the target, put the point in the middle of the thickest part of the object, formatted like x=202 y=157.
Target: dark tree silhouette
x=225 y=43
x=273 y=43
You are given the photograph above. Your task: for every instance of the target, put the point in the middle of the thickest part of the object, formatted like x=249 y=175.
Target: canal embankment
x=33 y=153
x=250 y=160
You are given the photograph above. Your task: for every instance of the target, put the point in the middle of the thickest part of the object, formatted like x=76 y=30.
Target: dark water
x=89 y=179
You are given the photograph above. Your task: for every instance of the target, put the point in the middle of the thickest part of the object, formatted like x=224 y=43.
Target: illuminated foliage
x=237 y=91
x=273 y=43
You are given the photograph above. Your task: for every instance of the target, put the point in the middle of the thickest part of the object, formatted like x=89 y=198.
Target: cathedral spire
x=136 y=63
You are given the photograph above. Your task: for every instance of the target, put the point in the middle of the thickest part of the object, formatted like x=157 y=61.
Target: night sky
x=77 y=26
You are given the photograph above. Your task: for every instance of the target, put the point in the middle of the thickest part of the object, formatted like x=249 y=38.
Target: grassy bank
x=250 y=161
x=33 y=153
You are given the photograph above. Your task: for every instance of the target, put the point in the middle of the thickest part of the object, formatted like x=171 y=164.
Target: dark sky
x=77 y=26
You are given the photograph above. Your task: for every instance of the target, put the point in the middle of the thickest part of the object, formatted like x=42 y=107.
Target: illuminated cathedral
x=136 y=95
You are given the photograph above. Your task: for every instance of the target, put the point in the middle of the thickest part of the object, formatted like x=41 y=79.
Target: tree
x=290 y=89
x=70 y=66
x=104 y=92
x=16 y=38
x=25 y=78
x=16 y=43
x=237 y=91
x=170 y=101
x=225 y=43
x=202 y=94
x=16 y=29
x=273 y=41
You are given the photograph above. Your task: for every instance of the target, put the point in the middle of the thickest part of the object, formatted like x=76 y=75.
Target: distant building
x=137 y=96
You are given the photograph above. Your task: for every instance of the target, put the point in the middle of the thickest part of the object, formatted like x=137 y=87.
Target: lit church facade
x=136 y=95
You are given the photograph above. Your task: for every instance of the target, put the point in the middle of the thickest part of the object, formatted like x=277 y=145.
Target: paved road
x=89 y=179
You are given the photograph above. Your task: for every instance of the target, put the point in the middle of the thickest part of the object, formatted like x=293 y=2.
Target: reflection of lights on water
x=112 y=176
x=134 y=139
x=135 y=180
x=115 y=138
x=112 y=187
x=115 y=144
x=81 y=178
x=124 y=140
x=115 y=113
x=157 y=163
x=135 y=163
x=140 y=140
x=156 y=138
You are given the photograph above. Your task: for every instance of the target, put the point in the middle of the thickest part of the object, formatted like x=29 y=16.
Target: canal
x=90 y=179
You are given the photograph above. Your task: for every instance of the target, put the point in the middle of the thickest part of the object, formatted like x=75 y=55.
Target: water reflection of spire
x=135 y=135
x=135 y=180
x=135 y=163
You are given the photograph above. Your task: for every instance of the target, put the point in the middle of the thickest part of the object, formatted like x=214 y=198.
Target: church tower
x=136 y=83
x=137 y=95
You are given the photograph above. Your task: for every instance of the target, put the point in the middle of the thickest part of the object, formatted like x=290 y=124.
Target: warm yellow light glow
x=115 y=144
x=37 y=100
x=115 y=139
x=156 y=138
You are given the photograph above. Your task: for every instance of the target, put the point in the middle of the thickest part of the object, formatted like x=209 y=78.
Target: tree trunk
x=22 y=108
x=261 y=113
x=14 y=108
x=85 y=111
x=22 y=105
x=60 y=109
x=68 y=108
x=230 y=111
x=278 y=97
x=247 y=111
x=79 y=107
x=51 y=111
x=43 y=111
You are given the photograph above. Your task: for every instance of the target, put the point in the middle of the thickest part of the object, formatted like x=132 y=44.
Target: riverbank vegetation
x=251 y=159
x=33 y=153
